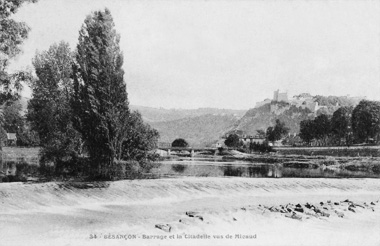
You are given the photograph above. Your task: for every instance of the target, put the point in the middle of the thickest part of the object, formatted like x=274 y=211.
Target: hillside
x=150 y=114
x=292 y=112
x=262 y=117
x=198 y=131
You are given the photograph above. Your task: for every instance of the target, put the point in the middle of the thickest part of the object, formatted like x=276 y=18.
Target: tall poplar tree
x=100 y=103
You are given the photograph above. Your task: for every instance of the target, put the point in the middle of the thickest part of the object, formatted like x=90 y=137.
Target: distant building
x=219 y=144
x=259 y=104
x=278 y=97
x=11 y=139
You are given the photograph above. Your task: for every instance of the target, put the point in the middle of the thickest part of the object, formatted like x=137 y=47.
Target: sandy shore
x=238 y=209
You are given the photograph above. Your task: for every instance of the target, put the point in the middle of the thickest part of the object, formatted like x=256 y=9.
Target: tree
x=260 y=133
x=140 y=140
x=49 y=111
x=366 y=121
x=180 y=142
x=341 y=124
x=277 y=132
x=15 y=123
x=100 y=103
x=232 y=141
x=322 y=128
x=270 y=134
x=12 y=35
x=307 y=130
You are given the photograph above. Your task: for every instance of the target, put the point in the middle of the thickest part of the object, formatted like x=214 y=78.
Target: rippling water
x=216 y=167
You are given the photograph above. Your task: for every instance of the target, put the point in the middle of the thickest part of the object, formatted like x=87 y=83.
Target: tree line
x=79 y=110
x=347 y=126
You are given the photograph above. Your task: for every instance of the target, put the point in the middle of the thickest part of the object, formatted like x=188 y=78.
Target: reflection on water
x=209 y=168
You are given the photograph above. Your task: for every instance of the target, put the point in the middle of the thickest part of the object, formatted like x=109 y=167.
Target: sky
x=225 y=54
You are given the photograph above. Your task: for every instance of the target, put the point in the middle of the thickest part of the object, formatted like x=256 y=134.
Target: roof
x=11 y=136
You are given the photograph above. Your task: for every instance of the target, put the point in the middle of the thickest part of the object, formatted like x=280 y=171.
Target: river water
x=216 y=167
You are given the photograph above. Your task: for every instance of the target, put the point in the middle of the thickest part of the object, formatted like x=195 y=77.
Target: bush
x=180 y=142
x=261 y=147
x=5 y=179
x=23 y=170
x=329 y=161
x=179 y=168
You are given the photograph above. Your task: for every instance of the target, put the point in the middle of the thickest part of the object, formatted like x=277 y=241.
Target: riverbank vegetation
x=347 y=126
x=79 y=110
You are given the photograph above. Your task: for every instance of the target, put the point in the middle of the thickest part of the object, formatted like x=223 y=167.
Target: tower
x=275 y=95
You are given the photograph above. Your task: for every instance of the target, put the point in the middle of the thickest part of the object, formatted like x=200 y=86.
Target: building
x=259 y=104
x=278 y=97
x=11 y=139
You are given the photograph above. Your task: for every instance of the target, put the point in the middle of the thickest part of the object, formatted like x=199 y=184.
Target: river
x=217 y=167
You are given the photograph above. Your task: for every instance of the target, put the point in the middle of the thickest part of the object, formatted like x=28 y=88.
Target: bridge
x=191 y=150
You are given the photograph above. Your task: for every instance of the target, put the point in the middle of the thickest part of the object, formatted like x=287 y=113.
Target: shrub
x=261 y=147
x=329 y=161
x=179 y=168
x=23 y=170
x=180 y=142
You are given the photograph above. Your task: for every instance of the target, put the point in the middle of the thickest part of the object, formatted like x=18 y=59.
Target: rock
x=234 y=219
x=299 y=209
x=372 y=203
x=310 y=212
x=191 y=213
x=243 y=208
x=329 y=201
x=350 y=208
x=321 y=203
x=325 y=214
x=195 y=215
x=298 y=206
x=336 y=203
x=321 y=212
x=199 y=217
x=325 y=208
x=274 y=209
x=289 y=209
x=309 y=206
x=358 y=205
x=294 y=216
x=164 y=227
x=340 y=214
x=347 y=201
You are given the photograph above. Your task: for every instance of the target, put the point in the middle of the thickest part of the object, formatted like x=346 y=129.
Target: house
x=219 y=144
x=11 y=139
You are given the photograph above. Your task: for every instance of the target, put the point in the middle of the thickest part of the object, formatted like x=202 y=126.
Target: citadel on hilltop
x=303 y=100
